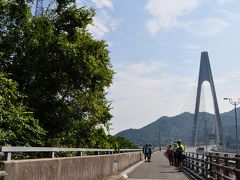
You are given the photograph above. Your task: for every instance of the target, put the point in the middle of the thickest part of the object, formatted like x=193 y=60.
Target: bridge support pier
x=205 y=74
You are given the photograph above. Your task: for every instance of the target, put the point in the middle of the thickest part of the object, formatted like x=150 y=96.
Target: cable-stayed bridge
x=112 y=164
x=205 y=130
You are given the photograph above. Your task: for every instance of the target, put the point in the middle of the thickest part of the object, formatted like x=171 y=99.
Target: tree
x=62 y=69
x=122 y=143
x=18 y=127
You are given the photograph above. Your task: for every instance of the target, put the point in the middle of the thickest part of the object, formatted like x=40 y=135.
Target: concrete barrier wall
x=73 y=168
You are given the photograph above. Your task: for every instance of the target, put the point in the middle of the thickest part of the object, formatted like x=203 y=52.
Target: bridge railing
x=50 y=152
x=212 y=166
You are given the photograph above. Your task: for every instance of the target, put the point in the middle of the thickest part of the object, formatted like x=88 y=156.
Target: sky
x=155 y=48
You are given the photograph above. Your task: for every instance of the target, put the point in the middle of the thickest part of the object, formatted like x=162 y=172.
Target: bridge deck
x=158 y=168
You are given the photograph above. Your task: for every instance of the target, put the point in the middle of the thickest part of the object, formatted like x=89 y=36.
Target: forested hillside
x=180 y=126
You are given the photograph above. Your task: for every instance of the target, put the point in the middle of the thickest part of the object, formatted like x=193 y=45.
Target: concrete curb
x=127 y=171
x=116 y=177
x=123 y=175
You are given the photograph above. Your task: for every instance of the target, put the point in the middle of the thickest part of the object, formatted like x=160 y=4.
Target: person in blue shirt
x=149 y=152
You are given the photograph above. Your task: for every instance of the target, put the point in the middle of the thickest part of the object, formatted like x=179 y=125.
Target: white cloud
x=224 y=2
x=232 y=16
x=142 y=92
x=103 y=3
x=228 y=77
x=193 y=47
x=146 y=68
x=137 y=80
x=103 y=24
x=188 y=61
x=206 y=27
x=99 y=4
x=165 y=14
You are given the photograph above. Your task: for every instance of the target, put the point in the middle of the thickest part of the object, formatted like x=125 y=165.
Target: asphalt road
x=157 y=169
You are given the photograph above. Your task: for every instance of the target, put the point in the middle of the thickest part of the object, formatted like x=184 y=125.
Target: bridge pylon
x=205 y=74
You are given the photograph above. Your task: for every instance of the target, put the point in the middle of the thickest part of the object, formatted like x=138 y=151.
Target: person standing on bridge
x=169 y=153
x=180 y=150
x=145 y=152
x=149 y=152
x=175 y=154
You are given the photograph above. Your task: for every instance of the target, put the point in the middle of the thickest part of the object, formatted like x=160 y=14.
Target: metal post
x=193 y=162
x=50 y=154
x=217 y=167
x=226 y=163
x=159 y=136
x=235 y=103
x=8 y=156
x=206 y=132
x=197 y=165
x=207 y=166
x=188 y=161
x=237 y=166
x=235 y=106
x=210 y=166
x=203 y=166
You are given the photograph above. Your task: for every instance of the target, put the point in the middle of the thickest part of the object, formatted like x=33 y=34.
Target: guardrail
x=6 y=152
x=212 y=166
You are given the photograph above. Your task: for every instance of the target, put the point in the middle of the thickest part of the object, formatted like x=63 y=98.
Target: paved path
x=157 y=169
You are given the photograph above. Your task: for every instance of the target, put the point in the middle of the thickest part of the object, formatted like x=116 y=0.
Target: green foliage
x=118 y=142
x=61 y=68
x=18 y=126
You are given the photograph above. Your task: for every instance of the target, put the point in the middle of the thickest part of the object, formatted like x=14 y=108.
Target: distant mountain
x=180 y=126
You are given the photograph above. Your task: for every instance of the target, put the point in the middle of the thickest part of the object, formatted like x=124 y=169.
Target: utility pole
x=235 y=103
x=206 y=132
x=159 y=140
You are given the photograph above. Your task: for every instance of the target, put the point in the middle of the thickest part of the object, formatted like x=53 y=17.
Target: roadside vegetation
x=54 y=77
